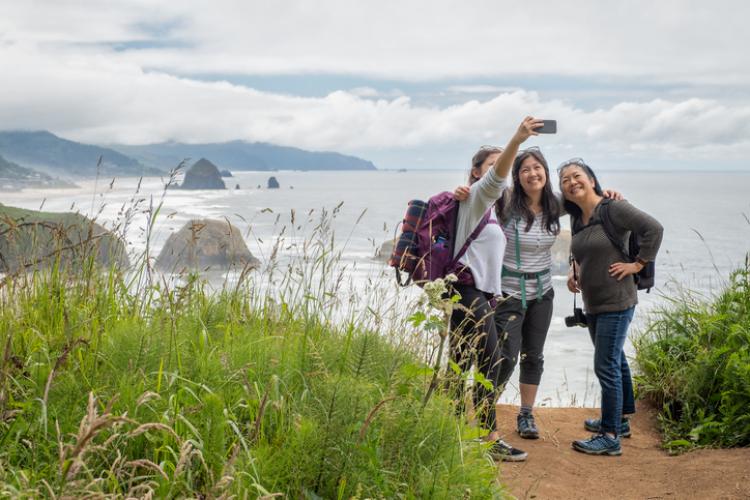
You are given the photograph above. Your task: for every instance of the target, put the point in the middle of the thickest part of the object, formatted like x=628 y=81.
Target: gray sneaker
x=595 y=425
x=599 y=444
x=526 y=426
x=502 y=451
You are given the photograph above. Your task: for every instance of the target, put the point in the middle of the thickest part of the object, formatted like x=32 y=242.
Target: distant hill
x=60 y=157
x=16 y=176
x=241 y=155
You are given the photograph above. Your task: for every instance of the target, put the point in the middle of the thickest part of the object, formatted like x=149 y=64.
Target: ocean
x=706 y=216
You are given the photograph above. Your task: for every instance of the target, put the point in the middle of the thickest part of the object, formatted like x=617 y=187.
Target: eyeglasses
x=573 y=161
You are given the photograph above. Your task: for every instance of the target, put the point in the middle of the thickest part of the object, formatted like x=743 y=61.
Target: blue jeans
x=608 y=332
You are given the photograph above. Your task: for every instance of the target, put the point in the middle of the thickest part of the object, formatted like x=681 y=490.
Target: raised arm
x=525 y=130
x=489 y=188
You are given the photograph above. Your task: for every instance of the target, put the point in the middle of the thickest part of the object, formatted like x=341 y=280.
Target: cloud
x=117 y=75
x=97 y=101
x=417 y=40
x=481 y=89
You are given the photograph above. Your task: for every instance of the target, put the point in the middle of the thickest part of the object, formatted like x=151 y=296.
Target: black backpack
x=644 y=279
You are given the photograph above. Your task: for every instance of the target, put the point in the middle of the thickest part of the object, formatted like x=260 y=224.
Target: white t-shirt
x=485 y=254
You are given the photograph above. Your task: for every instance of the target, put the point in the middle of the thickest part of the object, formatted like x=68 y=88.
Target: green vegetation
x=123 y=385
x=694 y=360
x=30 y=238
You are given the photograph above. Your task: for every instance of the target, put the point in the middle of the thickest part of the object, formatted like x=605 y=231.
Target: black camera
x=577 y=319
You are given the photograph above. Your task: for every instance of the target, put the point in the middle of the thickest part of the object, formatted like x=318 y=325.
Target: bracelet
x=641 y=262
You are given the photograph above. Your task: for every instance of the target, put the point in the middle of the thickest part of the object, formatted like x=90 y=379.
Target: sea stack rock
x=226 y=173
x=203 y=175
x=383 y=253
x=203 y=243
x=273 y=183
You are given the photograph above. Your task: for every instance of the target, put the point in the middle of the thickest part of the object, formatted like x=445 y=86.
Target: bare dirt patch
x=644 y=471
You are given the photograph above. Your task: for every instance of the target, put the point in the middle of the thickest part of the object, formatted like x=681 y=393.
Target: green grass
x=694 y=362
x=109 y=388
x=31 y=237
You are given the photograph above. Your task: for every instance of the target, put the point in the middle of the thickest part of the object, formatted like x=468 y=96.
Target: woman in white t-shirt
x=474 y=337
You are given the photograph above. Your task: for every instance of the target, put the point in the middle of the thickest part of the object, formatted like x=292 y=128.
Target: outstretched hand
x=528 y=128
x=462 y=193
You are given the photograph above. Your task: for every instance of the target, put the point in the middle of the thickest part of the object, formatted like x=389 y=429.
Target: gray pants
x=523 y=332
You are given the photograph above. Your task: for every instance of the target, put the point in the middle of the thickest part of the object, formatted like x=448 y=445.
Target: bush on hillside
x=694 y=361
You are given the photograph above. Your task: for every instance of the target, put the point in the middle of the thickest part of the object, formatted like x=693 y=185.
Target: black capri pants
x=523 y=332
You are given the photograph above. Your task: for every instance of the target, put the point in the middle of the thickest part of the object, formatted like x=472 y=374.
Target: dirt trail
x=644 y=471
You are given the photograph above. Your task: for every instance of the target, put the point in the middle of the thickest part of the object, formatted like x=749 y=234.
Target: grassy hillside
x=30 y=238
x=182 y=393
x=694 y=361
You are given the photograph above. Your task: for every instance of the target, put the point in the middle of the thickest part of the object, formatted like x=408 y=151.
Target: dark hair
x=518 y=205
x=573 y=209
x=479 y=158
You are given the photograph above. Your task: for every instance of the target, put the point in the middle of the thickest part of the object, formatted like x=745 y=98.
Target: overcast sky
x=406 y=84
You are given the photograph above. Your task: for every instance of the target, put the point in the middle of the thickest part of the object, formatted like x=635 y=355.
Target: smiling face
x=532 y=175
x=575 y=183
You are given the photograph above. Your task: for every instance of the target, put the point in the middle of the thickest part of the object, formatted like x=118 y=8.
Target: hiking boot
x=502 y=451
x=595 y=425
x=526 y=426
x=599 y=444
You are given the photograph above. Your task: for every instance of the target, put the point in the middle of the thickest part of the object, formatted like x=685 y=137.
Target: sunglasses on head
x=573 y=161
x=531 y=150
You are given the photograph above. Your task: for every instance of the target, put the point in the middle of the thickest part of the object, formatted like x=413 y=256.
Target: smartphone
x=549 y=127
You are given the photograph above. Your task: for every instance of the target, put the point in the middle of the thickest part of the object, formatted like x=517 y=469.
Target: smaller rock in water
x=383 y=253
x=273 y=183
x=561 y=253
x=237 y=186
x=226 y=173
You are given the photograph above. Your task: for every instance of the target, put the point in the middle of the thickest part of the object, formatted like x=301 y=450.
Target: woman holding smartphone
x=602 y=274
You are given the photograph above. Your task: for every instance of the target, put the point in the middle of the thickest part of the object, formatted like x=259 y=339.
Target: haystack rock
x=203 y=175
x=204 y=243
x=273 y=183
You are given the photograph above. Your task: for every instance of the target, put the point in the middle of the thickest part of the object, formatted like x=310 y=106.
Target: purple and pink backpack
x=425 y=248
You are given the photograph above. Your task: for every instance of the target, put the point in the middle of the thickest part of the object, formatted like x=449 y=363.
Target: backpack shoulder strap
x=474 y=234
x=609 y=227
